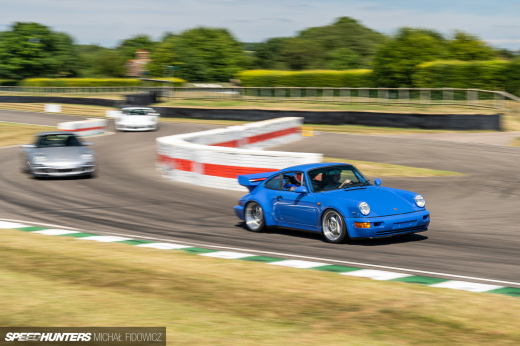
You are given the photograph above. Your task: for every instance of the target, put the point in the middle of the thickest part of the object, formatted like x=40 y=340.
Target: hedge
x=486 y=75
x=89 y=82
x=308 y=78
x=8 y=82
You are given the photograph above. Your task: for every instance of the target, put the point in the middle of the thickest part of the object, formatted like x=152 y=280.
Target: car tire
x=254 y=217
x=333 y=227
x=25 y=167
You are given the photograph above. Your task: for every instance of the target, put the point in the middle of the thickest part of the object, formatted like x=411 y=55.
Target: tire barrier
x=85 y=127
x=215 y=158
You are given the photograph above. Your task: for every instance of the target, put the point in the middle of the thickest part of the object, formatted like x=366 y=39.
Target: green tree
x=343 y=59
x=100 y=62
x=33 y=50
x=164 y=54
x=467 y=47
x=300 y=54
x=128 y=47
x=268 y=54
x=346 y=33
x=396 y=61
x=207 y=54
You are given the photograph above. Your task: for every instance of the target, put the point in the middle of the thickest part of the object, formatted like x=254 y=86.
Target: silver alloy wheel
x=254 y=216
x=333 y=226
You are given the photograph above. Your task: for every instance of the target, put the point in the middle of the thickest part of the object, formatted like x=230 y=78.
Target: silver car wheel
x=254 y=217
x=333 y=227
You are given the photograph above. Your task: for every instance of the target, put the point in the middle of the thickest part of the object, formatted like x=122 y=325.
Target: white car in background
x=137 y=119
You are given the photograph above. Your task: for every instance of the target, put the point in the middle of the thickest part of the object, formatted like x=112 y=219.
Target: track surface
x=475 y=218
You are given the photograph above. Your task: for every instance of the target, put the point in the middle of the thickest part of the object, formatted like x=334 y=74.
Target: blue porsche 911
x=334 y=199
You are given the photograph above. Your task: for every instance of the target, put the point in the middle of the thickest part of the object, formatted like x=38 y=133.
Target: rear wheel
x=333 y=227
x=254 y=217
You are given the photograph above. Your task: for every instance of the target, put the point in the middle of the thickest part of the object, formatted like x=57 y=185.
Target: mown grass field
x=61 y=281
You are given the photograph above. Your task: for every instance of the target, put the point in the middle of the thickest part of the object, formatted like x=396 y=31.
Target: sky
x=108 y=22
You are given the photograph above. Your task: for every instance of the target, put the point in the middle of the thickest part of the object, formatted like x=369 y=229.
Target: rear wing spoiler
x=252 y=180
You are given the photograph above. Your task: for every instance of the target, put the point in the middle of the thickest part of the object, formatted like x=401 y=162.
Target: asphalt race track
x=475 y=218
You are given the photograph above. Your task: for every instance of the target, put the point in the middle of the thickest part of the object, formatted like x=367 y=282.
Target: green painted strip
x=508 y=291
x=422 y=280
x=197 y=250
x=263 y=259
x=78 y=235
x=336 y=268
x=417 y=279
x=135 y=242
x=31 y=229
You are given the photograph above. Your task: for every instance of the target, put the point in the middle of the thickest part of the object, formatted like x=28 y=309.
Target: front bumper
x=135 y=127
x=63 y=171
x=389 y=226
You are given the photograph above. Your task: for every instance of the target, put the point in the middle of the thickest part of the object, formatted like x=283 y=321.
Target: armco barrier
x=216 y=157
x=84 y=128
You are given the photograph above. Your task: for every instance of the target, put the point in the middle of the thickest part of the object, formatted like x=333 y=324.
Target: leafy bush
x=8 y=82
x=308 y=78
x=89 y=82
x=487 y=75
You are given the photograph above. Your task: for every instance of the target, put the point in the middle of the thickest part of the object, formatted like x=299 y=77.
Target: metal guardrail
x=402 y=96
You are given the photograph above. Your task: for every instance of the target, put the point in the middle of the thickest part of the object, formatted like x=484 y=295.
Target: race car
x=137 y=119
x=58 y=154
x=334 y=199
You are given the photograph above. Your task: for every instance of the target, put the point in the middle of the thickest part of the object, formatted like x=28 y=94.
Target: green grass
x=60 y=281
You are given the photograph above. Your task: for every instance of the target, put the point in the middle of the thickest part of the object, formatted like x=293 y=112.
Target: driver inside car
x=293 y=182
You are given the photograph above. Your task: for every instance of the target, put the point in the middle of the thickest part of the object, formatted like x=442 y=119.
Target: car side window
x=275 y=183
x=293 y=180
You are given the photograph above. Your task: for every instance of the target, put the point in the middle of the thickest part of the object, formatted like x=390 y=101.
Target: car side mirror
x=301 y=189
x=377 y=181
x=87 y=144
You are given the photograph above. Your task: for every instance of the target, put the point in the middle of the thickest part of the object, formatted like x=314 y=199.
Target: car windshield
x=58 y=140
x=336 y=177
x=136 y=111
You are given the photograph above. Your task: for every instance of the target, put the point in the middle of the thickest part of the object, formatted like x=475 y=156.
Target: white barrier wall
x=84 y=127
x=216 y=157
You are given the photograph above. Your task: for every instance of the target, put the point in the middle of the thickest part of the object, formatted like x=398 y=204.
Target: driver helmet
x=299 y=178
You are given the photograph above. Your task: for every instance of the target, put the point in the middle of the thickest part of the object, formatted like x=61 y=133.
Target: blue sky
x=107 y=22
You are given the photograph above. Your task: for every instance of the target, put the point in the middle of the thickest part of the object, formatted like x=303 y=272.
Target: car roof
x=309 y=166
x=130 y=108
x=57 y=132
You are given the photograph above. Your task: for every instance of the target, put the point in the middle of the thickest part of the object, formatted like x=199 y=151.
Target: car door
x=294 y=209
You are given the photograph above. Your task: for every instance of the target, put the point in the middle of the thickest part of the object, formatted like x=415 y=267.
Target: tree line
x=33 y=50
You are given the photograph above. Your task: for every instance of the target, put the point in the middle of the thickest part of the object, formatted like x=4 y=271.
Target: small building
x=137 y=67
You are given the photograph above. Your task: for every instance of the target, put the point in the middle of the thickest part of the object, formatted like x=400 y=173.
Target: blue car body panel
x=392 y=211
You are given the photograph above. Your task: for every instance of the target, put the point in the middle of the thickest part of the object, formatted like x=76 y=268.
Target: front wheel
x=333 y=227
x=254 y=217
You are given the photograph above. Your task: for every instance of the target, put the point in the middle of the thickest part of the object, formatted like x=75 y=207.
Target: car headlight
x=364 y=208
x=86 y=156
x=40 y=157
x=419 y=200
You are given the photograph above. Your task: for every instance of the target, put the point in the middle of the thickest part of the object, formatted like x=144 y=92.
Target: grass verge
x=60 y=281
x=372 y=169
x=16 y=134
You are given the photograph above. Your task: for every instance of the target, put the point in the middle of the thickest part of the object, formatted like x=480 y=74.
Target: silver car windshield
x=58 y=140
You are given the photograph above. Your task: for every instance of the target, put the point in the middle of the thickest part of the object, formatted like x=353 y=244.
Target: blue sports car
x=334 y=199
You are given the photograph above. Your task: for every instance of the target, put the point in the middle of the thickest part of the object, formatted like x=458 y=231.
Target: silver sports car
x=58 y=154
